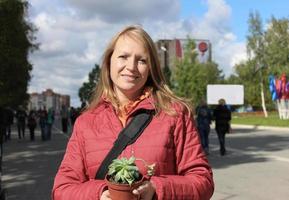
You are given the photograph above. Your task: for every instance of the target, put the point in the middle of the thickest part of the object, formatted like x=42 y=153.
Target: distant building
x=48 y=99
x=170 y=50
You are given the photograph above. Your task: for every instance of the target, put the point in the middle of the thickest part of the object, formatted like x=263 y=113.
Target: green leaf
x=124 y=170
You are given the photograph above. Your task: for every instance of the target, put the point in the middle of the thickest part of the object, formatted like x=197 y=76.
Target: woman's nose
x=132 y=64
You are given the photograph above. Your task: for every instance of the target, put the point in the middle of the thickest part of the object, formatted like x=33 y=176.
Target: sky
x=74 y=33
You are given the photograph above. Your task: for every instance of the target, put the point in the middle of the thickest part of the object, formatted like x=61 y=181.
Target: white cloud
x=73 y=35
x=117 y=11
x=215 y=26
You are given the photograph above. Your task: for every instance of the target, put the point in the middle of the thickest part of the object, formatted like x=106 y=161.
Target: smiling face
x=129 y=68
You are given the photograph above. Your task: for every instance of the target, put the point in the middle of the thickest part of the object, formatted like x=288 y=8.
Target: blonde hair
x=161 y=93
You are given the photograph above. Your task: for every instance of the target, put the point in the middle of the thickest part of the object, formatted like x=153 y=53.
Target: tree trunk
x=263 y=100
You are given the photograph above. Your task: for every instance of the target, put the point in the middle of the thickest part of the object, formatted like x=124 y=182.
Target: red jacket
x=182 y=170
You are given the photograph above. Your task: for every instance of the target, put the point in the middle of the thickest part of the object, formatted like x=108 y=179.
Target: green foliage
x=256 y=46
x=268 y=53
x=87 y=88
x=190 y=78
x=124 y=171
x=255 y=38
x=252 y=73
x=247 y=76
x=277 y=46
x=16 y=42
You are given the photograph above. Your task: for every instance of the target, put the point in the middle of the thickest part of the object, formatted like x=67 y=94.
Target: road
x=256 y=166
x=29 y=167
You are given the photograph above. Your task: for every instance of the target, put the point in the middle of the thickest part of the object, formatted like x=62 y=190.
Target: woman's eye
x=122 y=57
x=142 y=61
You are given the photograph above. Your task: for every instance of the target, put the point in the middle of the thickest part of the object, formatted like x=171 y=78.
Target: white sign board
x=233 y=94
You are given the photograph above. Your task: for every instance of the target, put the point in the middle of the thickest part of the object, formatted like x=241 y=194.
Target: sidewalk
x=29 y=167
x=255 y=167
x=257 y=159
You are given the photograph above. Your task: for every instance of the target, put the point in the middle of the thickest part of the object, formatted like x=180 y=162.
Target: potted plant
x=123 y=177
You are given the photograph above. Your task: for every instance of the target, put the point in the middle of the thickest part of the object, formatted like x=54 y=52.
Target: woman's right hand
x=105 y=195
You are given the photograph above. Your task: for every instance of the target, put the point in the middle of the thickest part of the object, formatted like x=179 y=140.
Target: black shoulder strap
x=127 y=136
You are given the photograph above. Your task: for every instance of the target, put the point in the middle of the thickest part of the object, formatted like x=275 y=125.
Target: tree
x=87 y=88
x=247 y=77
x=16 y=42
x=183 y=72
x=277 y=46
x=256 y=52
x=268 y=54
x=190 y=78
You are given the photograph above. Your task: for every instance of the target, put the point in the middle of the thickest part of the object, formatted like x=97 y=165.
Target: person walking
x=222 y=116
x=73 y=115
x=42 y=113
x=64 y=118
x=204 y=118
x=21 y=116
x=10 y=119
x=3 y=121
x=31 y=123
x=132 y=82
x=49 y=123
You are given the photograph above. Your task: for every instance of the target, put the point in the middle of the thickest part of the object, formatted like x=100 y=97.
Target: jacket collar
x=146 y=104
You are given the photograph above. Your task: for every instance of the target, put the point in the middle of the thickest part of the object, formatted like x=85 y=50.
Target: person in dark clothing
x=64 y=118
x=73 y=115
x=222 y=116
x=10 y=119
x=21 y=122
x=2 y=124
x=32 y=122
x=42 y=113
x=204 y=118
x=49 y=123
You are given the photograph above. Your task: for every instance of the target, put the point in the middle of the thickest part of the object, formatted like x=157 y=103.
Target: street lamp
x=164 y=49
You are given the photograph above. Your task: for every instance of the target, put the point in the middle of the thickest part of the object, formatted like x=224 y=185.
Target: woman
x=131 y=79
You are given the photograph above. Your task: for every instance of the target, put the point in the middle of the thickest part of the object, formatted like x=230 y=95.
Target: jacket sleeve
x=71 y=181
x=194 y=178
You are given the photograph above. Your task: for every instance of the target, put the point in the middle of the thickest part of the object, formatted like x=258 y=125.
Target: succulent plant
x=124 y=171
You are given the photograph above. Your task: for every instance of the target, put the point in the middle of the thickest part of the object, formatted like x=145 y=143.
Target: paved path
x=256 y=167
x=29 y=167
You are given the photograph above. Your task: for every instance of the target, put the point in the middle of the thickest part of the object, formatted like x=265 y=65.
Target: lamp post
x=164 y=49
x=166 y=69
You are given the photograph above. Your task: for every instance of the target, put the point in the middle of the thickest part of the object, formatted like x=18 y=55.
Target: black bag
x=127 y=136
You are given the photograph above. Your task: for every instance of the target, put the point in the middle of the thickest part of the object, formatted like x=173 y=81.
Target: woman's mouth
x=129 y=77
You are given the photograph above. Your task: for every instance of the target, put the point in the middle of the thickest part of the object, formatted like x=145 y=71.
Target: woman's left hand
x=146 y=191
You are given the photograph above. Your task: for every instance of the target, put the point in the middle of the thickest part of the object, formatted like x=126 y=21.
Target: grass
x=257 y=118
